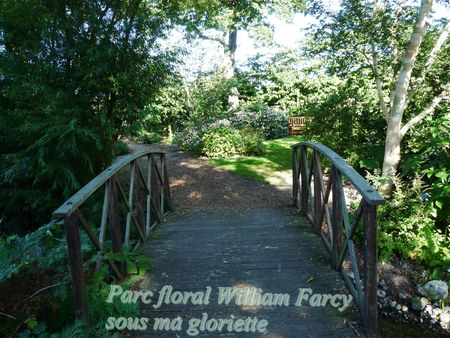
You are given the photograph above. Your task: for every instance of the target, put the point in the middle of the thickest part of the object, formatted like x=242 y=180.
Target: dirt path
x=198 y=186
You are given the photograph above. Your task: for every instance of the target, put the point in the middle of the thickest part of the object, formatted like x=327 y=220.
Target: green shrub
x=38 y=260
x=426 y=152
x=252 y=141
x=31 y=263
x=189 y=138
x=149 y=137
x=121 y=148
x=218 y=138
x=272 y=122
x=221 y=142
x=347 y=119
x=407 y=228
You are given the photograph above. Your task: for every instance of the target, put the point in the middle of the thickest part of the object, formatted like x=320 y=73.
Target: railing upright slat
x=295 y=170
x=140 y=215
x=336 y=217
x=148 y=220
x=114 y=220
x=130 y=202
x=75 y=259
x=304 y=181
x=167 y=187
x=317 y=192
x=370 y=270
x=133 y=216
x=101 y=237
x=162 y=186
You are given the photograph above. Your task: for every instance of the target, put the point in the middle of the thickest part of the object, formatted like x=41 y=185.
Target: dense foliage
x=364 y=48
x=346 y=119
x=73 y=79
x=35 y=289
x=408 y=227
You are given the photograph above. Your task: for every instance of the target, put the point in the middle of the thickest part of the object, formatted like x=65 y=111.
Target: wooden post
x=155 y=186
x=148 y=220
x=76 y=264
x=101 y=238
x=162 y=160
x=130 y=203
x=370 y=270
x=336 y=219
x=167 y=185
x=114 y=219
x=139 y=200
x=294 y=177
x=317 y=191
x=304 y=180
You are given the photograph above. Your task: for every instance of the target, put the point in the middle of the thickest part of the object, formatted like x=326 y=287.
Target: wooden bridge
x=237 y=274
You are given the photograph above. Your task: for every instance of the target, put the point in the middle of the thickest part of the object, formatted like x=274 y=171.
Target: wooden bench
x=296 y=124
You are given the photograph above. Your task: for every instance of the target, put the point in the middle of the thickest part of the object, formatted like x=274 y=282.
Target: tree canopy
x=73 y=79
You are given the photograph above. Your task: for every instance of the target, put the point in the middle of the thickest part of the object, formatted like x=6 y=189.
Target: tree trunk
x=393 y=134
x=229 y=67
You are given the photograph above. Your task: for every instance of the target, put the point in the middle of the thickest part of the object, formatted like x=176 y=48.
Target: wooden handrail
x=142 y=213
x=370 y=195
x=327 y=210
x=83 y=194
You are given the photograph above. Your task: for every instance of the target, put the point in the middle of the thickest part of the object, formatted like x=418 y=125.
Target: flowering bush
x=221 y=142
x=252 y=140
x=272 y=122
x=189 y=138
x=220 y=139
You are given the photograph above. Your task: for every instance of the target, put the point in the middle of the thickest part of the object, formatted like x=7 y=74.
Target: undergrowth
x=407 y=227
x=36 y=298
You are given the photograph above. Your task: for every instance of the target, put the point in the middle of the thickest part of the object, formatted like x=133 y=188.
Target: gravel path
x=197 y=186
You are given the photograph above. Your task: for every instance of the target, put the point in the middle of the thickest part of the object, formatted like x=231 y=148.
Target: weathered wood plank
x=295 y=176
x=130 y=202
x=133 y=216
x=170 y=206
x=76 y=264
x=370 y=270
x=336 y=218
x=318 y=191
x=268 y=249
x=304 y=180
x=139 y=201
x=114 y=219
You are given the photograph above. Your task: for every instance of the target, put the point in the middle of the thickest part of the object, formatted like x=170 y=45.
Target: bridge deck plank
x=270 y=250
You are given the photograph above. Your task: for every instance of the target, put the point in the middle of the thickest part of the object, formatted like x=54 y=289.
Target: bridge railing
x=128 y=214
x=322 y=199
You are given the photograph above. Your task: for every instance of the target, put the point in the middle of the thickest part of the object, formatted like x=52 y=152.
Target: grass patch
x=274 y=167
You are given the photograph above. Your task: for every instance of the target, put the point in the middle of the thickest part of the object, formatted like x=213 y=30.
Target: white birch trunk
x=229 y=68
x=393 y=134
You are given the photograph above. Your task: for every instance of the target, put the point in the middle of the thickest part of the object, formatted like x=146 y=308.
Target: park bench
x=296 y=124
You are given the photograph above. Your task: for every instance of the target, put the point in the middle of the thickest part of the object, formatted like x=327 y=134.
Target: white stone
x=444 y=318
x=436 y=312
x=381 y=293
